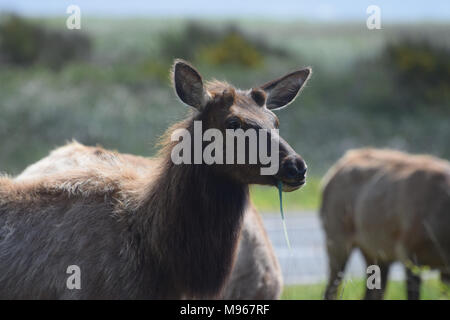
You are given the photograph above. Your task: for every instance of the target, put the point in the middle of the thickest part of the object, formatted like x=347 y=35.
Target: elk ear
x=284 y=90
x=188 y=85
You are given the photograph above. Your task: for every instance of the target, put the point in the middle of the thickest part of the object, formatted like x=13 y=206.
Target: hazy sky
x=391 y=10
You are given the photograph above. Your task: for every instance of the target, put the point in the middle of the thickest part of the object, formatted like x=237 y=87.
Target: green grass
x=431 y=289
x=306 y=198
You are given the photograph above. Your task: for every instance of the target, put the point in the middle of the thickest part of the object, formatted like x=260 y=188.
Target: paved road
x=307 y=261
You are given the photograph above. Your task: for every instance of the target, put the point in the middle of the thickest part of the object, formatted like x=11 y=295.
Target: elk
x=168 y=233
x=391 y=205
x=256 y=273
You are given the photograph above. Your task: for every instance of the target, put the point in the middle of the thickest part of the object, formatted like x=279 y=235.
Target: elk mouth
x=289 y=186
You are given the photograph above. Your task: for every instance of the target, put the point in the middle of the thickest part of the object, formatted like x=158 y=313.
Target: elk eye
x=233 y=124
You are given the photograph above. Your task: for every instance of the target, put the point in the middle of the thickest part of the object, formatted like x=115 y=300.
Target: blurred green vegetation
x=384 y=88
x=233 y=49
x=24 y=43
x=354 y=289
x=217 y=46
x=421 y=70
x=306 y=198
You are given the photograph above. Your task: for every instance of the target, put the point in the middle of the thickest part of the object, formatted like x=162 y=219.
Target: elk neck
x=195 y=217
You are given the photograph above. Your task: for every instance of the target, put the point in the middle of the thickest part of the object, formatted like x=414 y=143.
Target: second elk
x=393 y=207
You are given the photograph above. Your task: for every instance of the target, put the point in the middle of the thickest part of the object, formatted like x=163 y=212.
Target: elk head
x=222 y=109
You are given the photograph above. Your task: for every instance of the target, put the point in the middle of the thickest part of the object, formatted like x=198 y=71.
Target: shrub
x=421 y=71
x=228 y=45
x=20 y=41
x=185 y=44
x=23 y=43
x=407 y=77
x=232 y=49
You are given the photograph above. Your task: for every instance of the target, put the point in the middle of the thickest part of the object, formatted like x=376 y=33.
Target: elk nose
x=296 y=169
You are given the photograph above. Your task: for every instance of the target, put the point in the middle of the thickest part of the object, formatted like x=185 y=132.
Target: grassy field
x=431 y=289
x=306 y=198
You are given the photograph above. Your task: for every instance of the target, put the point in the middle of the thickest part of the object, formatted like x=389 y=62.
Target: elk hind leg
x=337 y=259
x=413 y=282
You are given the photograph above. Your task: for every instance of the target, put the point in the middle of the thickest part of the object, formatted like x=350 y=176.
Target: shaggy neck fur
x=195 y=217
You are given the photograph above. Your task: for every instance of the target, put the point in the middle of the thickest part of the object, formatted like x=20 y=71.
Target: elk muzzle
x=292 y=171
